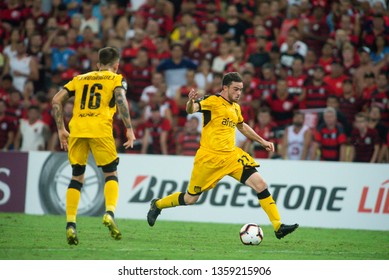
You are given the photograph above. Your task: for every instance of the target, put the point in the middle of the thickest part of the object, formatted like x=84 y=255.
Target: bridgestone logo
x=317 y=198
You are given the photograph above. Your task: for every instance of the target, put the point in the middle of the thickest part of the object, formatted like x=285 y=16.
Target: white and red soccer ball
x=251 y=234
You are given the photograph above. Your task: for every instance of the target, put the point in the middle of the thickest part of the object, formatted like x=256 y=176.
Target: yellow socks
x=269 y=206
x=111 y=194
x=172 y=200
x=72 y=200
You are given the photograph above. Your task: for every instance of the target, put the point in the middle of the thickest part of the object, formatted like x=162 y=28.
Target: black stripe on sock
x=263 y=194
x=74 y=184
x=181 y=199
x=112 y=177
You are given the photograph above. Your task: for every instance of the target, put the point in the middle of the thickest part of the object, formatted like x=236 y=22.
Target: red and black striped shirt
x=156 y=130
x=330 y=141
x=138 y=79
x=282 y=109
x=190 y=143
x=316 y=96
x=350 y=107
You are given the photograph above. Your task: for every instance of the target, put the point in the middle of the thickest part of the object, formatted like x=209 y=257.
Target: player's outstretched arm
x=191 y=106
x=124 y=112
x=57 y=110
x=252 y=135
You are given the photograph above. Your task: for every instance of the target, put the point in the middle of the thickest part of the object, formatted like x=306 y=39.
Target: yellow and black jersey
x=220 y=118
x=94 y=103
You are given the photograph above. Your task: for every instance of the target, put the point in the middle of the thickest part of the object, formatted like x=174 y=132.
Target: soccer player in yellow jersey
x=97 y=96
x=218 y=155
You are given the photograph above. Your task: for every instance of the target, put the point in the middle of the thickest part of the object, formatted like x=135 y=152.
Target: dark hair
x=33 y=107
x=362 y=115
x=231 y=77
x=218 y=75
x=176 y=45
x=108 y=56
x=264 y=109
x=41 y=97
x=383 y=73
x=7 y=77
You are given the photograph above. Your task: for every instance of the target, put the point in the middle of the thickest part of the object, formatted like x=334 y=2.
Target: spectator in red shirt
x=7 y=128
x=369 y=86
x=347 y=26
x=336 y=78
x=282 y=104
x=296 y=79
x=188 y=141
x=204 y=50
x=16 y=109
x=380 y=96
x=268 y=82
x=375 y=122
x=270 y=22
x=265 y=128
x=159 y=130
x=238 y=63
x=133 y=44
x=316 y=30
x=5 y=87
x=349 y=103
x=62 y=16
x=249 y=100
x=164 y=16
x=326 y=57
x=12 y=14
x=72 y=70
x=333 y=102
x=329 y=139
x=36 y=12
x=138 y=74
x=203 y=11
x=378 y=27
x=365 y=141
x=216 y=38
x=162 y=51
x=292 y=20
x=310 y=63
x=350 y=59
x=316 y=90
x=182 y=97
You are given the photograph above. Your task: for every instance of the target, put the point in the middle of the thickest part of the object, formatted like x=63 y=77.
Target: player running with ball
x=218 y=156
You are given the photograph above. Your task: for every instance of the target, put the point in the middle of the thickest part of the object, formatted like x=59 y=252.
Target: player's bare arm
x=252 y=135
x=191 y=106
x=57 y=108
x=124 y=112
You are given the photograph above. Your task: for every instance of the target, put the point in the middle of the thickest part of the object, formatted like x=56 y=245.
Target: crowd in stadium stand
x=315 y=73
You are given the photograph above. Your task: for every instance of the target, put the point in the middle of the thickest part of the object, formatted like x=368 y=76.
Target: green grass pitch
x=32 y=237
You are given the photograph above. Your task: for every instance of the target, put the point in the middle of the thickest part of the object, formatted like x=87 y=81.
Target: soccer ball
x=251 y=234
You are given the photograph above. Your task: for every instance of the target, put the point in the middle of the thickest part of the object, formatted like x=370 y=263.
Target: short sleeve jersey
x=220 y=118
x=94 y=103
